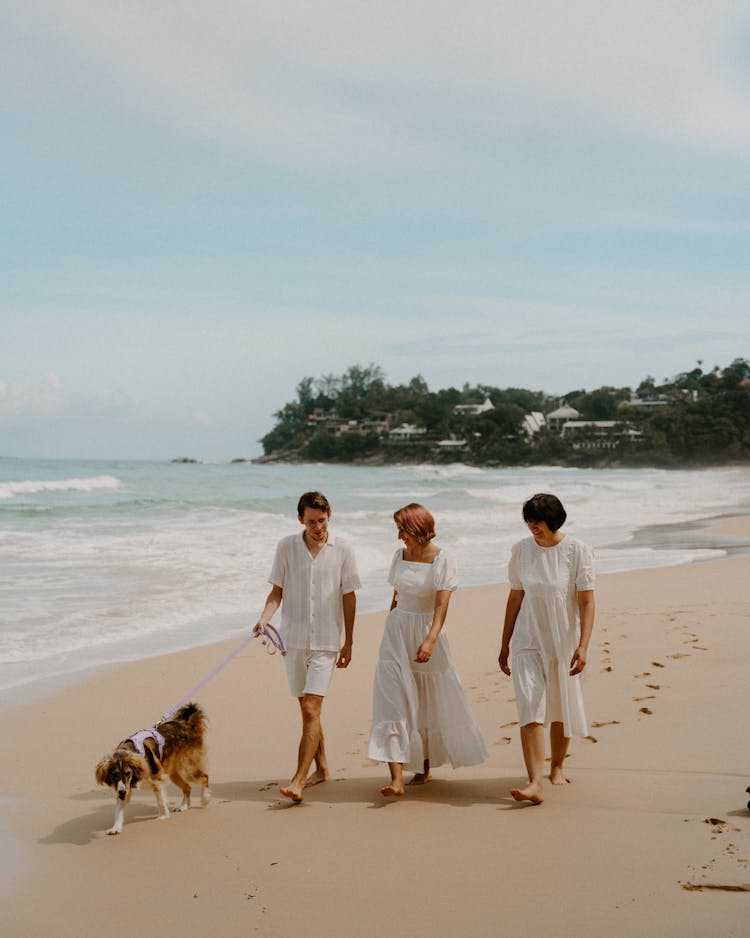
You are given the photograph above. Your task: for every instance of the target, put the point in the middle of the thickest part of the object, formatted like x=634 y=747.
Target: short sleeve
x=514 y=568
x=394 y=564
x=446 y=572
x=349 y=575
x=278 y=570
x=584 y=568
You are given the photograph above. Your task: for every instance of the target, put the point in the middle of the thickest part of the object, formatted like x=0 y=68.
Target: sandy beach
x=652 y=836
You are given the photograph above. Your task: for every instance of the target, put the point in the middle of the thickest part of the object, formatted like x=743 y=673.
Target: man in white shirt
x=313 y=579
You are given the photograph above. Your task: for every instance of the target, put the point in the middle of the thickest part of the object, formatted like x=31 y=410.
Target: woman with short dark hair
x=549 y=617
x=420 y=714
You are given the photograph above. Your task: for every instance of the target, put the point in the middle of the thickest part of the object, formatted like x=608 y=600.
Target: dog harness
x=137 y=739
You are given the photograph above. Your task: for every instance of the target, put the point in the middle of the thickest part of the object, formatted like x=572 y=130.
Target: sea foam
x=36 y=486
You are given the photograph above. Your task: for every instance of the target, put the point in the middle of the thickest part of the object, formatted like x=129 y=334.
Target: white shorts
x=309 y=672
x=537 y=690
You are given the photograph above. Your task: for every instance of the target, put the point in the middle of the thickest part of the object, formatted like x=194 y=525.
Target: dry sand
x=656 y=803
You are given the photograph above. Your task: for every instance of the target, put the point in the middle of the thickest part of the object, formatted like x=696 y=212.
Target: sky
x=203 y=202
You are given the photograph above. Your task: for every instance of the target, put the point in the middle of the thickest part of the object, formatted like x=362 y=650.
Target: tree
x=706 y=419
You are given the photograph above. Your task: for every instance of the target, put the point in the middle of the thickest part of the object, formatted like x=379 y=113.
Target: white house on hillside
x=598 y=434
x=533 y=423
x=558 y=418
x=467 y=410
x=406 y=433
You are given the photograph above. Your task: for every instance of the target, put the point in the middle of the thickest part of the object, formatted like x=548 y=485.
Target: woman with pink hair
x=421 y=717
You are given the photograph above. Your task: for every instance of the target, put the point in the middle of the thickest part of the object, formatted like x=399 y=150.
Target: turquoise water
x=107 y=561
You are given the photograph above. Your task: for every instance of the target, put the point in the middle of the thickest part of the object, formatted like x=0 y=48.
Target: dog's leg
x=206 y=791
x=159 y=786
x=119 y=817
x=198 y=774
x=184 y=787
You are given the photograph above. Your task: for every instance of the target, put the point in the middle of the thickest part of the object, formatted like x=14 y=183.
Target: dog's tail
x=191 y=713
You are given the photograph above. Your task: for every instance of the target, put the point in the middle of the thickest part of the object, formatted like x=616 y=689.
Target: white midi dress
x=420 y=710
x=547 y=631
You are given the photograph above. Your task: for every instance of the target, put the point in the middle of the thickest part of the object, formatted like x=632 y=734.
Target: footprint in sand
x=608 y=668
x=654 y=686
x=512 y=723
x=646 y=710
x=591 y=739
x=645 y=674
x=503 y=741
x=717 y=823
x=657 y=664
x=608 y=723
x=680 y=654
x=647 y=697
x=722 y=887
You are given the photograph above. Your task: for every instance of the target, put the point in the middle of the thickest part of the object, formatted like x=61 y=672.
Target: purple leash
x=271 y=639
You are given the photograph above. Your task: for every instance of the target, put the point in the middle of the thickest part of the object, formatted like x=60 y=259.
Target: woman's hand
x=424 y=652
x=578 y=661
x=502 y=660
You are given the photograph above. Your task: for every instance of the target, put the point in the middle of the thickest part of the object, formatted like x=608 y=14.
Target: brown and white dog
x=182 y=758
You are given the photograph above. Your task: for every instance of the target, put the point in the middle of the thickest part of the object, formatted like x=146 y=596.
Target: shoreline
x=718 y=532
x=669 y=655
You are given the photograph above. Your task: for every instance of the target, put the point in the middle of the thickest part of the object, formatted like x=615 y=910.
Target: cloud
x=369 y=80
x=21 y=399
x=204 y=420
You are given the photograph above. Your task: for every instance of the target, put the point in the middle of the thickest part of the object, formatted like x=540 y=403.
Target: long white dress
x=420 y=710
x=547 y=631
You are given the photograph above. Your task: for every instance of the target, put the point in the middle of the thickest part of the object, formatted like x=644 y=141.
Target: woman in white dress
x=421 y=718
x=549 y=616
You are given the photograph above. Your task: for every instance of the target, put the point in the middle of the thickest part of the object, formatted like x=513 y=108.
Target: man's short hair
x=547 y=508
x=316 y=500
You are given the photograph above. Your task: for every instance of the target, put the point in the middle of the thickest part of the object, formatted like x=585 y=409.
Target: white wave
x=35 y=486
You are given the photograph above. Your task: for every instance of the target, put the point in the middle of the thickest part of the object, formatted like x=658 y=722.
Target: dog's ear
x=101 y=772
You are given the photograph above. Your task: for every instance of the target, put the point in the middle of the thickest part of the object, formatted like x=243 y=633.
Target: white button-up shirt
x=312 y=614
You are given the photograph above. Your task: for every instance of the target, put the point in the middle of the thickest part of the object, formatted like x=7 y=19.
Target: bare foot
x=420 y=778
x=532 y=793
x=292 y=791
x=318 y=776
x=557 y=777
x=391 y=790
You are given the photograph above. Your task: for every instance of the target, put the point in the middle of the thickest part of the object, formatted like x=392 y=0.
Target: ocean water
x=109 y=561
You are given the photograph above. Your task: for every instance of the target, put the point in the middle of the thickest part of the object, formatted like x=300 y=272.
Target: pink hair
x=415 y=520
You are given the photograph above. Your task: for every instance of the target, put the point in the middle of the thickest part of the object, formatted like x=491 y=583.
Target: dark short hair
x=547 y=508
x=417 y=521
x=315 y=500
